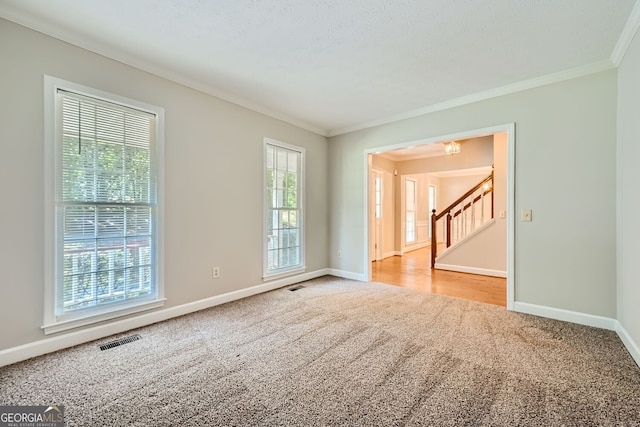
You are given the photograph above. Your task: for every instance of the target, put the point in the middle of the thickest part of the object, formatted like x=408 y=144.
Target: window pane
x=281 y=164
x=79 y=222
x=111 y=221
x=269 y=157
x=292 y=164
x=137 y=175
x=79 y=276
x=138 y=220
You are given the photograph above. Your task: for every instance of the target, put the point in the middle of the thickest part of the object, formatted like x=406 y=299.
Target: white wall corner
x=629 y=31
x=566 y=315
x=59 y=342
x=629 y=343
x=347 y=274
x=390 y=254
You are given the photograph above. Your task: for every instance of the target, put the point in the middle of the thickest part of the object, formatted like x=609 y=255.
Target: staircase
x=462 y=217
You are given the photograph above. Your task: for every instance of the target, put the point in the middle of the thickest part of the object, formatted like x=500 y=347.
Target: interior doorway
x=428 y=196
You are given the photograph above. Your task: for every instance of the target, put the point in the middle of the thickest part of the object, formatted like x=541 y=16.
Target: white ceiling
x=333 y=66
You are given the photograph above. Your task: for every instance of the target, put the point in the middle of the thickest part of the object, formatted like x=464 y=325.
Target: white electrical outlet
x=215 y=272
x=525 y=215
x=339 y=254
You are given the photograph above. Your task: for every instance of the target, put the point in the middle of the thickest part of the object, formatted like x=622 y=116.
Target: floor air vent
x=119 y=342
x=295 y=288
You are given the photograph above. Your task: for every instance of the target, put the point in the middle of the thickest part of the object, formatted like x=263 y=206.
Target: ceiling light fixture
x=452 y=148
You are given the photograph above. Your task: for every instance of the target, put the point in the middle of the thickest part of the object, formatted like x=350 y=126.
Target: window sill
x=285 y=273
x=100 y=315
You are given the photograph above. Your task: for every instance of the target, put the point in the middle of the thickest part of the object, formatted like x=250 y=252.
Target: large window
x=284 y=233
x=105 y=207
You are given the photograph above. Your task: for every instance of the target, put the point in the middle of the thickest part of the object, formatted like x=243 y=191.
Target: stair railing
x=463 y=216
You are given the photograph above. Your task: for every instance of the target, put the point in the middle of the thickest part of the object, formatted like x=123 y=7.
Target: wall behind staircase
x=486 y=252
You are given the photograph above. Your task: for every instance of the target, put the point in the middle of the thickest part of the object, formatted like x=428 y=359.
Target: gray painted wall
x=565 y=170
x=213 y=174
x=628 y=191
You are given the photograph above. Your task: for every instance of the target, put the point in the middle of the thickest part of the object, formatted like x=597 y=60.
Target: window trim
x=51 y=322
x=302 y=266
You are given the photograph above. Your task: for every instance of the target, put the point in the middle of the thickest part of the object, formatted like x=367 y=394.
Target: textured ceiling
x=336 y=65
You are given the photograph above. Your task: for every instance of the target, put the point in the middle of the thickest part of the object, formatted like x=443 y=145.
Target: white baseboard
x=347 y=275
x=390 y=254
x=59 y=342
x=629 y=343
x=566 y=315
x=472 y=270
x=415 y=246
x=51 y=344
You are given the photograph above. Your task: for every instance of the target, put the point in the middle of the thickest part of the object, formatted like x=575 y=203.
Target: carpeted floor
x=341 y=353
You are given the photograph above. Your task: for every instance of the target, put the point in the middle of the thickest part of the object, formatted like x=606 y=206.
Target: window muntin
x=284 y=233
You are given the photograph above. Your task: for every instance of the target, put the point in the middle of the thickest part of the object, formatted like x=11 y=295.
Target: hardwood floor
x=412 y=271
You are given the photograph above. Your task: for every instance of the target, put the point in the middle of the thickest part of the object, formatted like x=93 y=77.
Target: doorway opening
x=408 y=181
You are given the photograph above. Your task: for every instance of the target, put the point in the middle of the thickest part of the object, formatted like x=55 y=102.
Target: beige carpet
x=341 y=353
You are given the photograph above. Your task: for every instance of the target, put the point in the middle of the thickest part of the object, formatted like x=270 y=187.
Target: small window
x=432 y=203
x=410 y=211
x=284 y=214
x=104 y=210
x=378 y=202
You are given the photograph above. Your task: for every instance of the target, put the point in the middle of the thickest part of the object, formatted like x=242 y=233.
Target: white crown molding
x=561 y=76
x=94 y=46
x=628 y=33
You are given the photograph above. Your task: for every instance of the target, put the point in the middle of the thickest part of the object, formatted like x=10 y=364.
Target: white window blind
x=283 y=209
x=105 y=204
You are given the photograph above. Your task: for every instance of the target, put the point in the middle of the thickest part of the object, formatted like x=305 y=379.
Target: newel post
x=434 y=247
